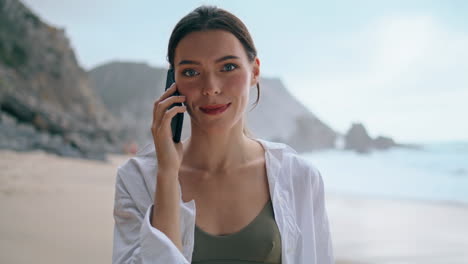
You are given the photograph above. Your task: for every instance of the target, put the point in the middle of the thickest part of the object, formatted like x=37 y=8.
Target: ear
x=255 y=71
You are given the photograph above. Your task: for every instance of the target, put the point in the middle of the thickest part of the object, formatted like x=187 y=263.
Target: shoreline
x=398 y=199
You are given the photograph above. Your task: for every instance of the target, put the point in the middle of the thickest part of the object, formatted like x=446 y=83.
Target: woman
x=220 y=196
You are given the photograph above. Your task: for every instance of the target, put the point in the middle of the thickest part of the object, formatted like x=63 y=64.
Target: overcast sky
x=399 y=67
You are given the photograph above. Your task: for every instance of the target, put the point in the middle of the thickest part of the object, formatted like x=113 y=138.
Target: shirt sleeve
x=136 y=241
x=323 y=239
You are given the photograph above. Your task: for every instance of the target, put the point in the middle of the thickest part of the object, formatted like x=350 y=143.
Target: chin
x=216 y=127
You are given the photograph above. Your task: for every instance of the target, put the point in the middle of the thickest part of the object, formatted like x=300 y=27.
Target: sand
x=59 y=210
x=385 y=231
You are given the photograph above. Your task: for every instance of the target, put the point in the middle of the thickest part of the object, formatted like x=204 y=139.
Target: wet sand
x=59 y=210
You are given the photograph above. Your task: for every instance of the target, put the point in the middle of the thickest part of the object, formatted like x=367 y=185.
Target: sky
x=398 y=67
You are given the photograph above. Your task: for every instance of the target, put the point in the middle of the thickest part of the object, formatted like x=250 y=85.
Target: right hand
x=169 y=154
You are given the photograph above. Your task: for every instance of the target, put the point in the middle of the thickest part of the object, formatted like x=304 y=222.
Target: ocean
x=436 y=172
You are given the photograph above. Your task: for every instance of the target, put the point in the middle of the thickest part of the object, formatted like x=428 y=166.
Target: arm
x=166 y=213
x=136 y=241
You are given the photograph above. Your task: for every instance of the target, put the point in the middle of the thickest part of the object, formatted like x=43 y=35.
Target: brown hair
x=206 y=18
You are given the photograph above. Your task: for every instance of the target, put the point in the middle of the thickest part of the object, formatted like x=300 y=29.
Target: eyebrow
x=228 y=57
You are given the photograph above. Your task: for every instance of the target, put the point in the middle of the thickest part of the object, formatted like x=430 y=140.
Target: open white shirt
x=297 y=193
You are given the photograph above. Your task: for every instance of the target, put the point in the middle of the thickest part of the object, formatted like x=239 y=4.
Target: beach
x=59 y=210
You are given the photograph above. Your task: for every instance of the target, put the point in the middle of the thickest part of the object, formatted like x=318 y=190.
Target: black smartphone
x=178 y=120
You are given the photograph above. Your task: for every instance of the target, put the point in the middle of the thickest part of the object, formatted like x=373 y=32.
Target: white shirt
x=297 y=193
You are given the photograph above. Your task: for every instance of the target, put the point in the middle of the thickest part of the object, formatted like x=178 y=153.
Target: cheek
x=190 y=92
x=187 y=89
x=237 y=84
x=190 y=89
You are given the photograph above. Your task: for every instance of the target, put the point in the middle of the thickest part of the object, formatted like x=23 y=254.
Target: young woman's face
x=213 y=71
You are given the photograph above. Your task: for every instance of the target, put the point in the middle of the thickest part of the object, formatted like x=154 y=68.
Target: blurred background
x=373 y=93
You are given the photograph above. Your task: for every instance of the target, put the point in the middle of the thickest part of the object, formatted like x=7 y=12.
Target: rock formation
x=45 y=98
x=358 y=139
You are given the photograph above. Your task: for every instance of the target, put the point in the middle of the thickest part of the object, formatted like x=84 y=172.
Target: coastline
x=59 y=210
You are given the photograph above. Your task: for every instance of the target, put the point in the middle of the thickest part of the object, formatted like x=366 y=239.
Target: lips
x=214 y=108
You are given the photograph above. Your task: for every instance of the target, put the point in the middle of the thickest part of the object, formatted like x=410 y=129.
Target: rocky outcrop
x=382 y=143
x=130 y=89
x=358 y=139
x=45 y=96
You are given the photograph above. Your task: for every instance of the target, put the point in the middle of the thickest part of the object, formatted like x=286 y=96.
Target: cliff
x=45 y=97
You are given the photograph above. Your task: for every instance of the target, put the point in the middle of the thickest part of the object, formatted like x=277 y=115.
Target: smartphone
x=178 y=120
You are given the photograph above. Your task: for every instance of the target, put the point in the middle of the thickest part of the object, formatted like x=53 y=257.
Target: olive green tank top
x=258 y=242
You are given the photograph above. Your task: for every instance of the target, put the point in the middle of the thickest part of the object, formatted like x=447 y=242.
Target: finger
x=168 y=92
x=161 y=107
x=166 y=103
x=166 y=120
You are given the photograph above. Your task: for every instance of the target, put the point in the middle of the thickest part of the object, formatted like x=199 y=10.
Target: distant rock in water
x=358 y=139
x=383 y=143
x=45 y=98
x=130 y=89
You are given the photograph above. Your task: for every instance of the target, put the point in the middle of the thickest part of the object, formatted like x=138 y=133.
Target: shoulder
x=291 y=164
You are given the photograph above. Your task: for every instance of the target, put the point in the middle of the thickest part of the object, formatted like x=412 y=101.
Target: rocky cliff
x=45 y=97
x=129 y=90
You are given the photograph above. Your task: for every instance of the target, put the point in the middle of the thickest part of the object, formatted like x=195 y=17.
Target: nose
x=211 y=86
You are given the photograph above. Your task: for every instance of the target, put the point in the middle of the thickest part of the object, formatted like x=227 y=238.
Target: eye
x=190 y=72
x=229 y=67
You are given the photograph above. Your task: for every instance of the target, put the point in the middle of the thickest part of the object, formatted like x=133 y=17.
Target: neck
x=213 y=153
